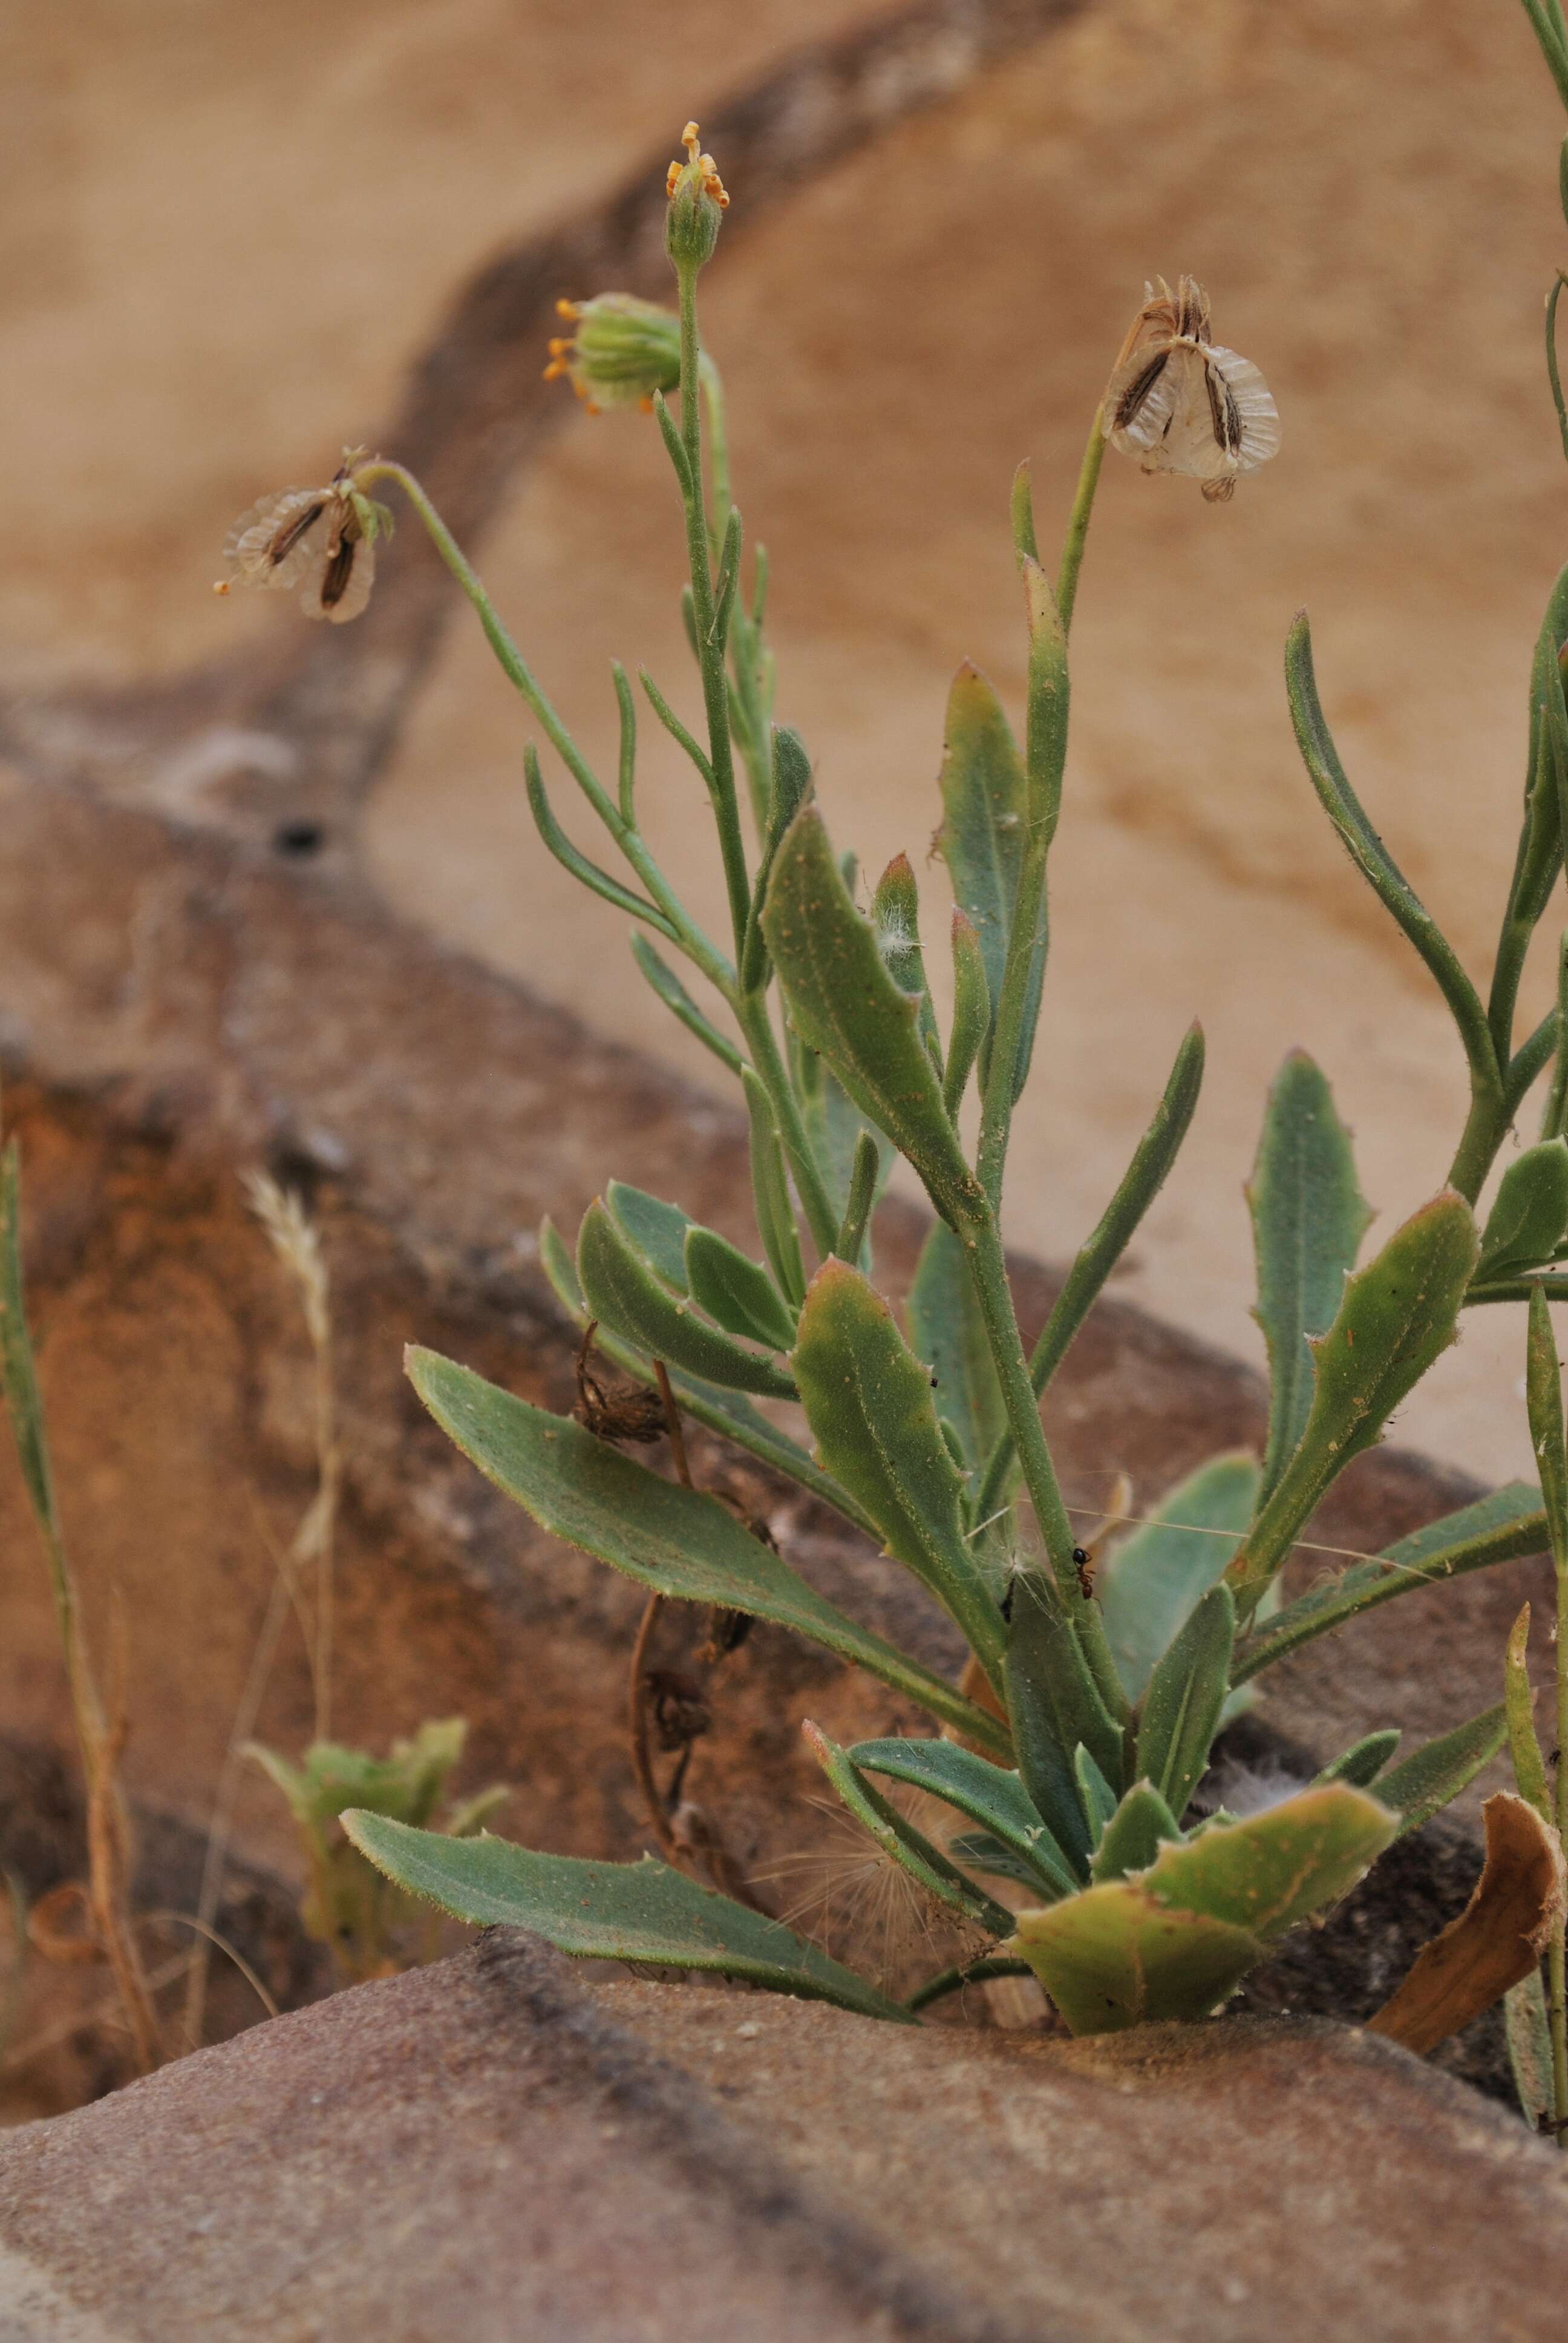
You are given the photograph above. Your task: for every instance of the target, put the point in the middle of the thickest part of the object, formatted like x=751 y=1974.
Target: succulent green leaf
x=609 y=1911
x=844 y=1004
x=1523 y=1746
x=1055 y=1707
x=989 y=1795
x=407 y=1784
x=1500 y=1527
x=1525 y=1225
x=982 y=1851
x=771 y=1193
x=1363 y=1761
x=1543 y=1400
x=1528 y=2031
x=948 y=1331
x=655 y=1229
x=1172 y=1941
x=868 y=1400
x=1436 y=1773
x=971 y=1012
x=1142 y=1825
x=727 y=1412
x=984 y=797
x=1180 y=1713
x=623 y=1293
x=736 y=1292
x=1095 y=1793
x=864 y=1177
x=908 y=1847
x=1308 y=1221
x=1395 y=1317
x=676 y=1541
x=896 y=916
x=1149 y=1586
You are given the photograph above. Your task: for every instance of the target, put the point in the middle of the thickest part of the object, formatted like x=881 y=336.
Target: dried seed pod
x=319 y=539
x=1184 y=404
x=627 y=1412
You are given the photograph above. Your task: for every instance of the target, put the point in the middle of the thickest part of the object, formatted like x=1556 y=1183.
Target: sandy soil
x=231 y=235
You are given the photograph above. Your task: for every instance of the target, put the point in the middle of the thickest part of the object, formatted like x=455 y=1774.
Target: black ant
x=1083 y=1562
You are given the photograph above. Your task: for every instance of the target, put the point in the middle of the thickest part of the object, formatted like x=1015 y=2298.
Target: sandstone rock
x=490 y=2150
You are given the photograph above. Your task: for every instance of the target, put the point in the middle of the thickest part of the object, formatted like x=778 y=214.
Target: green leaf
x=1139 y=1184
x=771 y=1193
x=737 y=1292
x=657 y=1230
x=1371 y=856
x=869 y=1402
x=1142 y=1825
x=1500 y=1527
x=844 y=1004
x=676 y=1541
x=896 y=916
x=983 y=1852
x=727 y=1412
x=407 y=1784
x=16 y=1369
x=1543 y=1397
x=1525 y=1225
x=908 y=1847
x=1519 y=1708
x=971 y=1012
x=1148 y=1587
x=1529 y=2035
x=661 y=978
x=1363 y=1761
x=1055 y=1707
x=1395 y=1318
x=989 y=1795
x=609 y=1911
x=1436 y=1773
x=622 y=1290
x=1308 y=1221
x=984 y=797
x=1097 y=1797
x=1186 y=1693
x=864 y=1176
x=1172 y=1941
x=948 y=1331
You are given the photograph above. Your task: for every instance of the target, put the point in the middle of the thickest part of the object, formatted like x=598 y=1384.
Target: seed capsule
x=1184 y=404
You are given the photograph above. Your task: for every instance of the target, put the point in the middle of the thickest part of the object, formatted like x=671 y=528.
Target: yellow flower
x=623 y=351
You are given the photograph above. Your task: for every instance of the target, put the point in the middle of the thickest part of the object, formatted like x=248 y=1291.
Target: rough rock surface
x=489 y=2149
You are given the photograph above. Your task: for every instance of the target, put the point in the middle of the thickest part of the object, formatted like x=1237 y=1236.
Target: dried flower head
x=1183 y=404
x=697 y=203
x=320 y=539
x=622 y=351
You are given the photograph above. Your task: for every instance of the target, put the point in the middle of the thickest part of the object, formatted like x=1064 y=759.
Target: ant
x=1083 y=1562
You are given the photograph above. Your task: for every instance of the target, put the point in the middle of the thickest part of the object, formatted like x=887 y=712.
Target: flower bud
x=697 y=203
x=623 y=350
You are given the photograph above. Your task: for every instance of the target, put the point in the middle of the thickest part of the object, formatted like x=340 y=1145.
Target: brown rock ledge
x=490 y=2150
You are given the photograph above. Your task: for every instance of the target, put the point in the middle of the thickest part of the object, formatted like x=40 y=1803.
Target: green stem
x=1557 y=1950
x=988 y=1267
x=697 y=948
x=751 y=1013
x=968 y=1973
x=1485 y=1128
x=1077 y=520
x=1012 y=1017
x=711 y=651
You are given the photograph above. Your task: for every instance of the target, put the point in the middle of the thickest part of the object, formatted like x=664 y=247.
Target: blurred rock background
x=227 y=231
